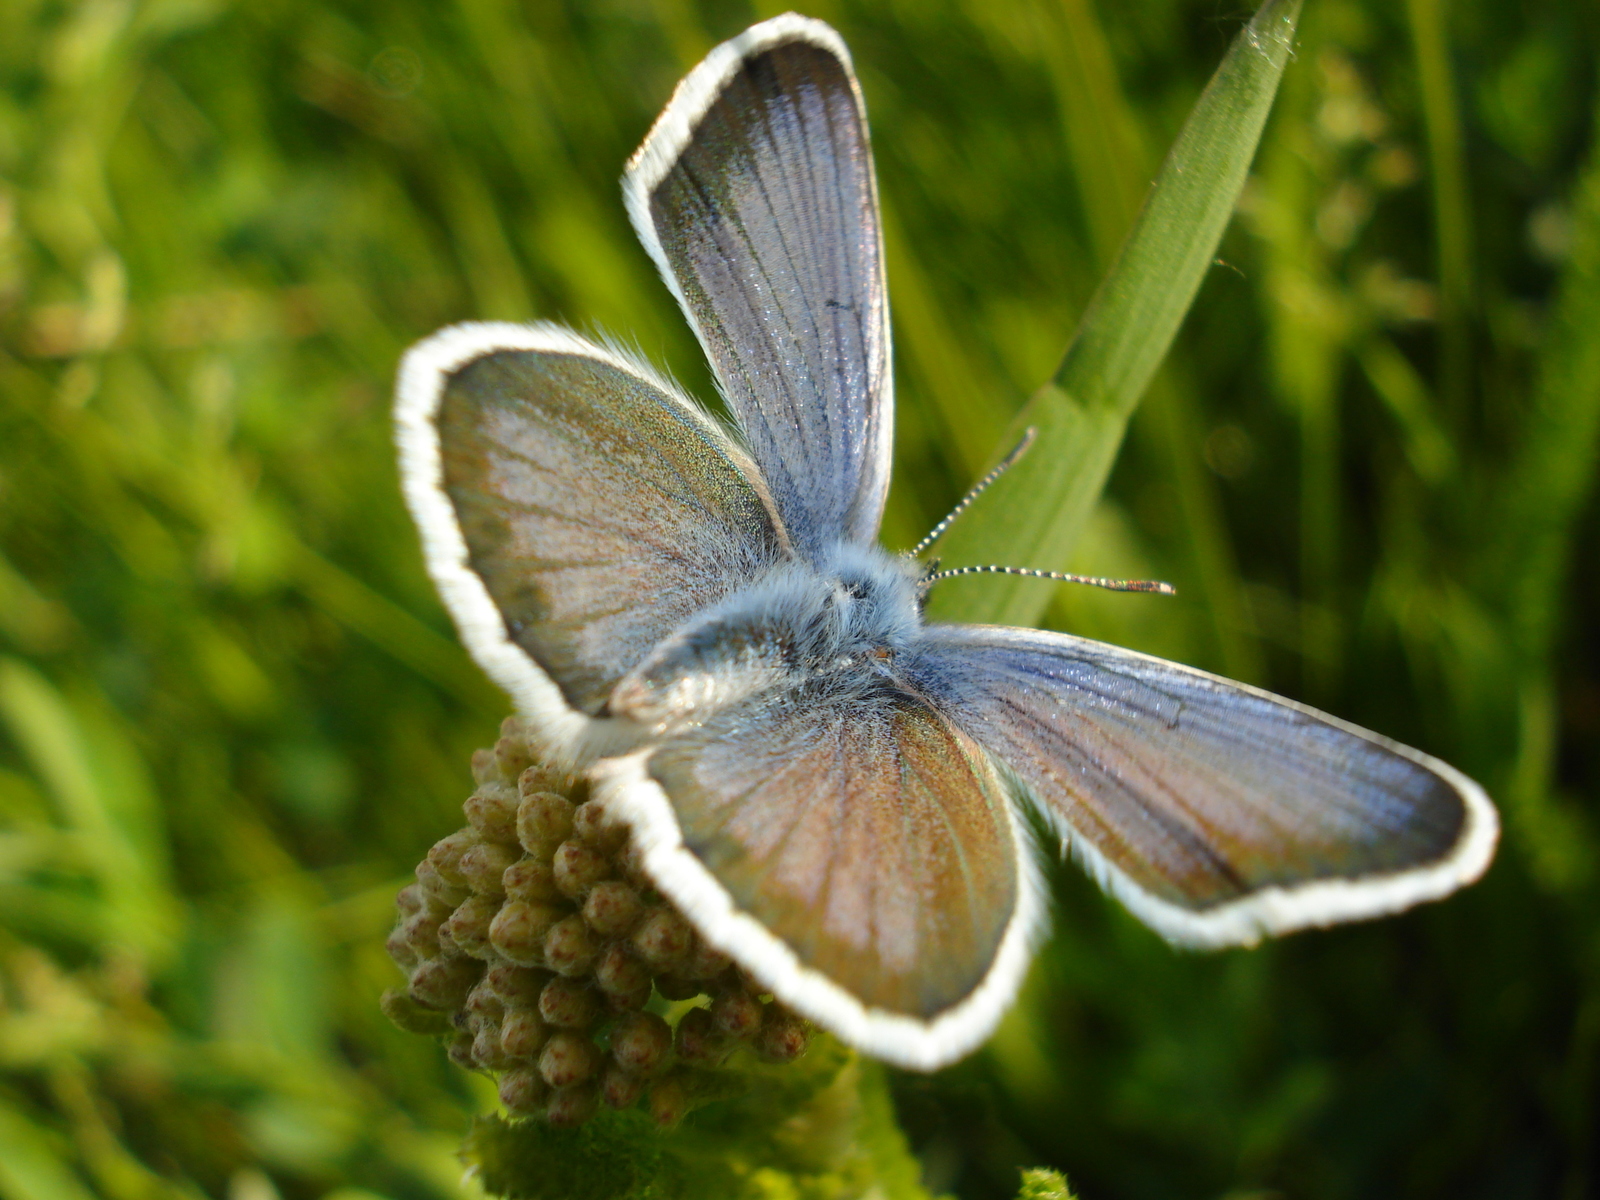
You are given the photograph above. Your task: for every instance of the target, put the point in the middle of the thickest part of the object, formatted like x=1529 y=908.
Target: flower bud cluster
x=534 y=942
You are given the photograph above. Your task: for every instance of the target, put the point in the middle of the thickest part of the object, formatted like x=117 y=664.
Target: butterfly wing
x=754 y=194
x=1215 y=811
x=574 y=508
x=850 y=848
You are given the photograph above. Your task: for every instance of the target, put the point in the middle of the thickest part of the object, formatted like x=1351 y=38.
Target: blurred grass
x=232 y=713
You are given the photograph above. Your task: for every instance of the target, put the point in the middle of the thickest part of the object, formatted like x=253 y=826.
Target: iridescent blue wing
x=850 y=848
x=1215 y=811
x=754 y=194
x=574 y=508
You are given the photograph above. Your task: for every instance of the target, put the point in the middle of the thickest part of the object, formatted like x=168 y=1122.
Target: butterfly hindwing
x=854 y=850
x=591 y=507
x=754 y=193
x=1216 y=811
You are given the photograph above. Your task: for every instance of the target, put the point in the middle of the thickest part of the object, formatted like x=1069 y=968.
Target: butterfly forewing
x=1218 y=812
x=755 y=195
x=862 y=830
x=598 y=510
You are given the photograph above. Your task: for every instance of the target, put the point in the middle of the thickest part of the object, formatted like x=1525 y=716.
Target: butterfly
x=829 y=786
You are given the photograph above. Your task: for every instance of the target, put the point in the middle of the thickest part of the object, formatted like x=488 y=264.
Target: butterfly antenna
x=978 y=489
x=1111 y=585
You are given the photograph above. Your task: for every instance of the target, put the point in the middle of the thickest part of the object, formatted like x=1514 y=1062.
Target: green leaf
x=1032 y=516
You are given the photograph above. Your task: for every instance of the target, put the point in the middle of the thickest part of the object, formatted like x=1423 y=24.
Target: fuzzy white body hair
x=796 y=621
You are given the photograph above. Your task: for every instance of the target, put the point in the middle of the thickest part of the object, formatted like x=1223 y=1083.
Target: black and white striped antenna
x=978 y=489
x=1004 y=465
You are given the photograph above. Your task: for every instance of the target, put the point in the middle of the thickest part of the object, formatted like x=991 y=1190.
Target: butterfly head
x=874 y=602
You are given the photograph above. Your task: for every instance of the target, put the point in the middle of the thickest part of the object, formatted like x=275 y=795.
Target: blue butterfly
x=700 y=618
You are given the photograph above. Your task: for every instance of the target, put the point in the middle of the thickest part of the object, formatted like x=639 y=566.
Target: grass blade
x=1033 y=515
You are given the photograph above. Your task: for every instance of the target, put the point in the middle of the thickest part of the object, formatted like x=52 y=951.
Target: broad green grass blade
x=1452 y=202
x=1033 y=515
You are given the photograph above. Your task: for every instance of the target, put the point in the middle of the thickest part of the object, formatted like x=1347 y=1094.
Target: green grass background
x=233 y=714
